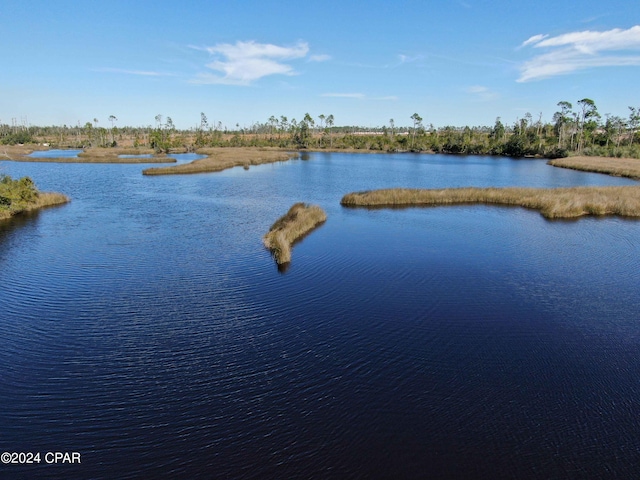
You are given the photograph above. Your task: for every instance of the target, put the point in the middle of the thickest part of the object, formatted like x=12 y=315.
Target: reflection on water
x=145 y=326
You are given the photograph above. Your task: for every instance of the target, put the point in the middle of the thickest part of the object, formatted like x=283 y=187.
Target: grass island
x=618 y=167
x=222 y=158
x=552 y=202
x=291 y=227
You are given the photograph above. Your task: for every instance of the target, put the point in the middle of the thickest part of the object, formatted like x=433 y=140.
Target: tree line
x=575 y=129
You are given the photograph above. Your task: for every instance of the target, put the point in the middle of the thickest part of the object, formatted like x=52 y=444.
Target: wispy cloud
x=576 y=51
x=144 y=73
x=482 y=93
x=243 y=63
x=319 y=58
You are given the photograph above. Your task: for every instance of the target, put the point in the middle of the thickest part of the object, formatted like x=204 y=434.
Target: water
x=145 y=326
x=55 y=153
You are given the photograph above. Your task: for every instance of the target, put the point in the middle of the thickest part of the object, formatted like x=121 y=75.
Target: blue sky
x=453 y=62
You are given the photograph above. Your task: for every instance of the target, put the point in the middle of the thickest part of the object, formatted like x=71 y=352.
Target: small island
x=22 y=153
x=552 y=202
x=222 y=158
x=18 y=196
x=295 y=224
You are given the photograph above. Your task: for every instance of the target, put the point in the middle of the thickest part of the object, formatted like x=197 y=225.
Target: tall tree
x=634 y=121
x=113 y=119
x=329 y=125
x=588 y=112
x=562 y=118
x=417 y=122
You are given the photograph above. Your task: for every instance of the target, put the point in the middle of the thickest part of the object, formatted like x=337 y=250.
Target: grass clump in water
x=552 y=202
x=297 y=222
x=17 y=196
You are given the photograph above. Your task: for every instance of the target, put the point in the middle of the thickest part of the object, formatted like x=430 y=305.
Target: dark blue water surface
x=145 y=326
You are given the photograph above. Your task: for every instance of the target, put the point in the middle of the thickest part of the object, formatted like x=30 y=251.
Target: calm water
x=145 y=326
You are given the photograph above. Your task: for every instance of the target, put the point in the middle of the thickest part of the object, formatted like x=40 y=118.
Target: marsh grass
x=552 y=202
x=223 y=158
x=619 y=167
x=296 y=223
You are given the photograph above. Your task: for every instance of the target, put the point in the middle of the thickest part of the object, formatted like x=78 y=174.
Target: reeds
x=552 y=202
x=619 y=167
x=223 y=158
x=297 y=222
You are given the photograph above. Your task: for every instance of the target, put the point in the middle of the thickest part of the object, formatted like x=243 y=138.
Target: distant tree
x=329 y=125
x=634 y=121
x=562 y=118
x=587 y=120
x=113 y=119
x=417 y=123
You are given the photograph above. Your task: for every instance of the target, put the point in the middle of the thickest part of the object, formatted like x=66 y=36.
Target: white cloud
x=575 y=51
x=319 y=58
x=534 y=39
x=482 y=93
x=243 y=63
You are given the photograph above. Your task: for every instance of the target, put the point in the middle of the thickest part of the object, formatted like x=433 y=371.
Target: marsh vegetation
x=292 y=226
x=552 y=202
x=219 y=159
x=17 y=196
x=619 y=167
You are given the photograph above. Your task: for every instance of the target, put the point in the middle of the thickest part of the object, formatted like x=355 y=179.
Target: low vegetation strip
x=17 y=196
x=89 y=155
x=619 y=167
x=223 y=158
x=552 y=202
x=297 y=222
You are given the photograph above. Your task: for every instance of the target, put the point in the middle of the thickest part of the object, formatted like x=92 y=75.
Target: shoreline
x=43 y=201
x=222 y=158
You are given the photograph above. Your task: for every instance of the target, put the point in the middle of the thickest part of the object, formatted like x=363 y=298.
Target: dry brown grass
x=619 y=167
x=222 y=158
x=43 y=200
x=552 y=202
x=297 y=222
